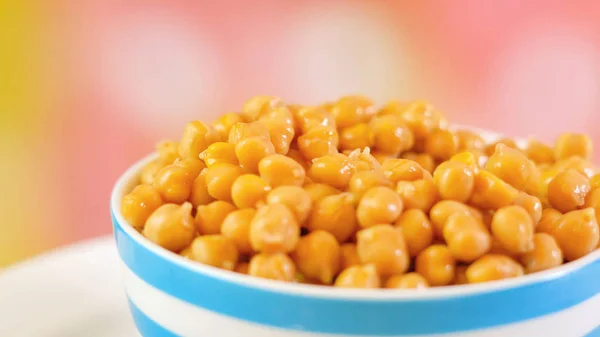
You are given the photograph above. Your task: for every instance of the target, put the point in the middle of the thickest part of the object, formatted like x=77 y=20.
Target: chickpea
x=219 y=152
x=403 y=170
x=139 y=204
x=274 y=229
x=311 y=118
x=491 y=192
x=349 y=255
x=236 y=227
x=455 y=181
x=174 y=183
x=469 y=140
x=242 y=268
x=199 y=194
x=209 y=218
x=468 y=158
x=441 y=211
x=281 y=133
x=567 y=191
x=384 y=247
x=393 y=107
x=295 y=198
x=545 y=255
x=578 y=164
x=391 y=134
x=512 y=166
x=317 y=192
x=539 y=152
x=250 y=151
x=357 y=137
x=258 y=105
x=422 y=118
x=441 y=144
x=276 y=266
x=364 y=180
x=187 y=252
x=334 y=214
x=417 y=230
x=425 y=160
x=241 y=131
x=379 y=205
x=420 y=194
x=167 y=151
x=150 y=170
x=531 y=204
x=436 y=264
x=279 y=170
x=467 y=239
x=349 y=111
x=491 y=148
x=592 y=200
x=297 y=156
x=197 y=137
x=193 y=166
x=335 y=170
x=577 y=233
x=249 y=190
x=595 y=182
x=215 y=250
x=460 y=275
x=171 y=226
x=318 y=256
x=407 y=281
x=513 y=228
x=493 y=267
x=220 y=178
x=358 y=277
x=318 y=142
x=224 y=124
x=573 y=144
x=548 y=220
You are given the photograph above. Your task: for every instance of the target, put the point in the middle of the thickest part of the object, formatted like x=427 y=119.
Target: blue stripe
x=594 y=333
x=358 y=316
x=145 y=325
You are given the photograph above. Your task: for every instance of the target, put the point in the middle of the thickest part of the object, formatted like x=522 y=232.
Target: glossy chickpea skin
x=215 y=250
x=441 y=211
x=276 y=266
x=491 y=192
x=379 y=205
x=249 y=190
x=349 y=255
x=422 y=118
x=531 y=204
x=493 y=267
x=469 y=140
x=349 y=111
x=417 y=230
x=174 y=183
x=358 y=277
x=546 y=254
x=548 y=220
x=279 y=170
x=335 y=214
x=171 y=226
x=220 y=178
x=403 y=170
x=224 y=124
x=317 y=191
x=356 y=137
x=572 y=144
x=295 y=198
x=436 y=264
x=318 y=142
x=419 y=194
x=391 y=134
x=250 y=151
x=209 y=218
x=567 y=191
x=318 y=256
x=454 y=181
x=362 y=181
x=512 y=166
x=197 y=137
x=384 y=247
x=335 y=170
x=139 y=204
x=281 y=131
x=466 y=237
x=236 y=227
x=425 y=160
x=539 y=152
x=310 y=118
x=592 y=200
x=199 y=193
x=407 y=281
x=241 y=131
x=219 y=152
x=513 y=228
x=595 y=181
x=441 y=144
x=491 y=148
x=274 y=229
x=150 y=170
x=577 y=233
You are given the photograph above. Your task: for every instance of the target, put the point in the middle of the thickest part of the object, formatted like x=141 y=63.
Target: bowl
x=172 y=296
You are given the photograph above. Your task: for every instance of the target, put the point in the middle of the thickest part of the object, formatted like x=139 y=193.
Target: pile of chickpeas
x=348 y=194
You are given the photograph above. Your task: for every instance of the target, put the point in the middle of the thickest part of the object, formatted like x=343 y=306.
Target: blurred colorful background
x=88 y=87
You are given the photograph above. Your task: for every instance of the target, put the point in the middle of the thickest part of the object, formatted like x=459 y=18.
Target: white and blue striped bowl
x=171 y=296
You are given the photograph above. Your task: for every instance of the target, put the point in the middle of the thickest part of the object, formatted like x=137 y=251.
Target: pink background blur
x=92 y=85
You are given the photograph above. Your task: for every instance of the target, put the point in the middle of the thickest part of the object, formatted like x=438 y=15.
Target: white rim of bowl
x=129 y=179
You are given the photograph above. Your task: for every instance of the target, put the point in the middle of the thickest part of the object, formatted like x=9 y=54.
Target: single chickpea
x=171 y=226
x=199 y=194
x=455 y=181
x=512 y=166
x=417 y=230
x=468 y=158
x=573 y=144
x=249 y=190
x=274 y=229
x=545 y=255
x=242 y=268
x=250 y=151
x=276 y=266
x=539 y=152
x=436 y=264
x=219 y=152
x=441 y=144
x=358 y=277
x=424 y=159
x=349 y=111
x=209 y=218
x=531 y=204
x=318 y=256
x=334 y=214
x=335 y=170
x=393 y=107
x=280 y=113
x=150 y=170
x=469 y=140
x=193 y=166
x=548 y=220
x=356 y=137
x=167 y=151
x=577 y=233
x=349 y=255
x=466 y=237
x=297 y=156
x=197 y=137
x=139 y=204
x=491 y=148
x=491 y=192
x=224 y=124
x=364 y=180
x=317 y=191
x=592 y=200
x=420 y=194
x=391 y=134
x=310 y=118
x=174 y=183
x=258 y=105
x=384 y=247
x=379 y=205
x=220 y=178
x=407 y=281
x=241 y=131
x=441 y=211
x=236 y=227
x=279 y=170
x=493 y=267
x=513 y=228
x=215 y=250
x=578 y=164
x=422 y=118
x=595 y=181
x=403 y=170
x=567 y=191
x=295 y=198
x=281 y=133
x=318 y=142
x=460 y=275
